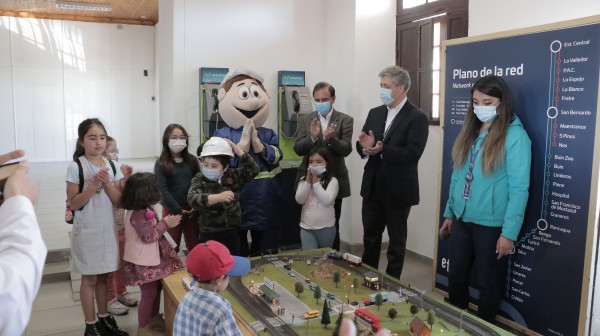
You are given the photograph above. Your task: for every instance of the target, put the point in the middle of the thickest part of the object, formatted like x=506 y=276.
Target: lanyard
x=469 y=175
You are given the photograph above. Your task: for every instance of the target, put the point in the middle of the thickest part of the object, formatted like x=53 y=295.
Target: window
x=422 y=26
x=414 y=3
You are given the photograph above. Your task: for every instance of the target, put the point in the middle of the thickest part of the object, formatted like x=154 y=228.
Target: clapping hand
x=329 y=131
x=245 y=139
x=315 y=128
x=172 y=220
x=126 y=170
x=257 y=145
x=366 y=140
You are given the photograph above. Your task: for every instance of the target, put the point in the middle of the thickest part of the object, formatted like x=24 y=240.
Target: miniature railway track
x=262 y=312
x=258 y=309
x=470 y=325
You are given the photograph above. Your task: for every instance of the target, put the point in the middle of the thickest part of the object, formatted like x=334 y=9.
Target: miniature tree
x=414 y=309
x=336 y=278
x=355 y=284
x=338 y=325
x=378 y=300
x=317 y=294
x=299 y=288
x=392 y=313
x=431 y=319
x=325 y=319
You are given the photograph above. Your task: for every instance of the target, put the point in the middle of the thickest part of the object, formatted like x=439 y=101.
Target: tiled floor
x=54 y=310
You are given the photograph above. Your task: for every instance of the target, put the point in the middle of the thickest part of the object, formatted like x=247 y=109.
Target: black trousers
x=263 y=241
x=376 y=216
x=337 y=207
x=228 y=238
x=474 y=246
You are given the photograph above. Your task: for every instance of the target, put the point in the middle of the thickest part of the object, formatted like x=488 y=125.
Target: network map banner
x=553 y=76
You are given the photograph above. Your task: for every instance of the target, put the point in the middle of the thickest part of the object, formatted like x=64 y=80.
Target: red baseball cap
x=210 y=260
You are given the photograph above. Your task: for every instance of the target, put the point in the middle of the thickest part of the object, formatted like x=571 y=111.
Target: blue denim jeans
x=313 y=239
x=473 y=245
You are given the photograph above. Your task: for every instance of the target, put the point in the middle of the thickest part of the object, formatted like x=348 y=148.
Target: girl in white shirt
x=317 y=192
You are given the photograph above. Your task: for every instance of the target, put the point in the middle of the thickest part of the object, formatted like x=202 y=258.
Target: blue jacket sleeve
x=518 y=170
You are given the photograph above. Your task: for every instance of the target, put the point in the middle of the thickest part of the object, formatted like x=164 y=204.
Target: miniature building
x=371 y=280
x=418 y=327
x=269 y=295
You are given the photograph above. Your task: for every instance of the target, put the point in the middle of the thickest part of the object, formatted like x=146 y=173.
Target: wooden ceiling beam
x=23 y=14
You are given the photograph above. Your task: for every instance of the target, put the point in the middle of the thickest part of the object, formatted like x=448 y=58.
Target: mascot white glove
x=247 y=132
x=257 y=145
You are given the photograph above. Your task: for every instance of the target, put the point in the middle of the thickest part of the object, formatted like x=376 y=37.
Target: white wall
x=53 y=74
x=344 y=42
x=495 y=16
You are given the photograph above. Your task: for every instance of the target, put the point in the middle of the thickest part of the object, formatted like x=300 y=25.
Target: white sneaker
x=117 y=308
x=128 y=299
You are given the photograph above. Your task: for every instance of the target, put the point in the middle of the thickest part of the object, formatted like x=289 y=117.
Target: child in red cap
x=203 y=311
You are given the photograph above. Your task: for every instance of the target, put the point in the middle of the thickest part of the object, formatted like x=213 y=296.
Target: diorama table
x=174 y=291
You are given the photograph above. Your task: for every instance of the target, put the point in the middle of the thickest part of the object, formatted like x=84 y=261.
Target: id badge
x=467 y=190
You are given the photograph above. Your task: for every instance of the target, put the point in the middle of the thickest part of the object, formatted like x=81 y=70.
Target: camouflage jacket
x=223 y=216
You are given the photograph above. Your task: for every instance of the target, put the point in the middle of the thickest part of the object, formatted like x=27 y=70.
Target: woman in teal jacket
x=488 y=194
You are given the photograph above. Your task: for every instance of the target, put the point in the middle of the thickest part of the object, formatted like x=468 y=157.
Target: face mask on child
x=176 y=145
x=318 y=170
x=211 y=174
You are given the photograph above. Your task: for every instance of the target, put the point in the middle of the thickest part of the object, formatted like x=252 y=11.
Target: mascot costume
x=244 y=106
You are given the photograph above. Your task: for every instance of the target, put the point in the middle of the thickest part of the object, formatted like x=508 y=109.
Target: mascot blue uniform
x=244 y=106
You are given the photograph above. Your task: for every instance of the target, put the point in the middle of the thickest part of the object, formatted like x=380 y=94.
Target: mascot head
x=242 y=96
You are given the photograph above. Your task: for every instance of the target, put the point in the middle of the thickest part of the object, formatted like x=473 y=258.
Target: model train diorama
x=319 y=275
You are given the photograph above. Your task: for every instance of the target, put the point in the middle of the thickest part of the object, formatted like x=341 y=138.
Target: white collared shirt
x=325 y=120
x=392 y=113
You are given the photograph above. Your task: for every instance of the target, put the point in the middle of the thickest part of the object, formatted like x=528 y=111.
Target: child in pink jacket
x=148 y=255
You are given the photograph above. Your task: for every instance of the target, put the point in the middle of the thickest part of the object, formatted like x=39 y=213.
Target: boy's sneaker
x=94 y=330
x=111 y=327
x=128 y=299
x=117 y=308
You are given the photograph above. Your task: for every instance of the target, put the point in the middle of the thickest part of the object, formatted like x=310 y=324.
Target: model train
x=370 y=318
x=372 y=298
x=349 y=258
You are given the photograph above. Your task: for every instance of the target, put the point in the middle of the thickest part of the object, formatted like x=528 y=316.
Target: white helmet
x=216 y=146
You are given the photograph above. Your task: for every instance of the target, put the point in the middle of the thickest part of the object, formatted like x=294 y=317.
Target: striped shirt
x=202 y=312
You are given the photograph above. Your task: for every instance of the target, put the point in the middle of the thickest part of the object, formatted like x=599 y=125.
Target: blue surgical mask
x=211 y=174
x=485 y=113
x=323 y=108
x=318 y=170
x=386 y=96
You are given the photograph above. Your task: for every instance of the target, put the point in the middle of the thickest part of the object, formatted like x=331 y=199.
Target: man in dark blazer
x=329 y=128
x=392 y=139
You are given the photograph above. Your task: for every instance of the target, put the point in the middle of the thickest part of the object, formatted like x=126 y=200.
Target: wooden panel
x=141 y=12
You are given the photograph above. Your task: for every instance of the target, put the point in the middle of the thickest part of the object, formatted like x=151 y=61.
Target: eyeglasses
x=113 y=151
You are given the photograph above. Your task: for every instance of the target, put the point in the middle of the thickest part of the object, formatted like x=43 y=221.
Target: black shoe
x=111 y=327
x=94 y=330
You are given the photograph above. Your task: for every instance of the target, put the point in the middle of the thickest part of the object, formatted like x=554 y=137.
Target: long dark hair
x=493 y=148
x=165 y=161
x=325 y=154
x=82 y=130
x=140 y=192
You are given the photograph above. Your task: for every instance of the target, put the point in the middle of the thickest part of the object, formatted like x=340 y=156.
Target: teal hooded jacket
x=499 y=199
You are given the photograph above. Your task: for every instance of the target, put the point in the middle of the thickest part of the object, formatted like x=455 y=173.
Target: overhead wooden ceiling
x=140 y=12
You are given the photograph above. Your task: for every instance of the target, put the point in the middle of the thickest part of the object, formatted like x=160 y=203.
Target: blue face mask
x=211 y=174
x=318 y=170
x=323 y=108
x=386 y=96
x=485 y=113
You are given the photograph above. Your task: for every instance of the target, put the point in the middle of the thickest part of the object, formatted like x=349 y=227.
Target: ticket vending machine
x=295 y=100
x=210 y=120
